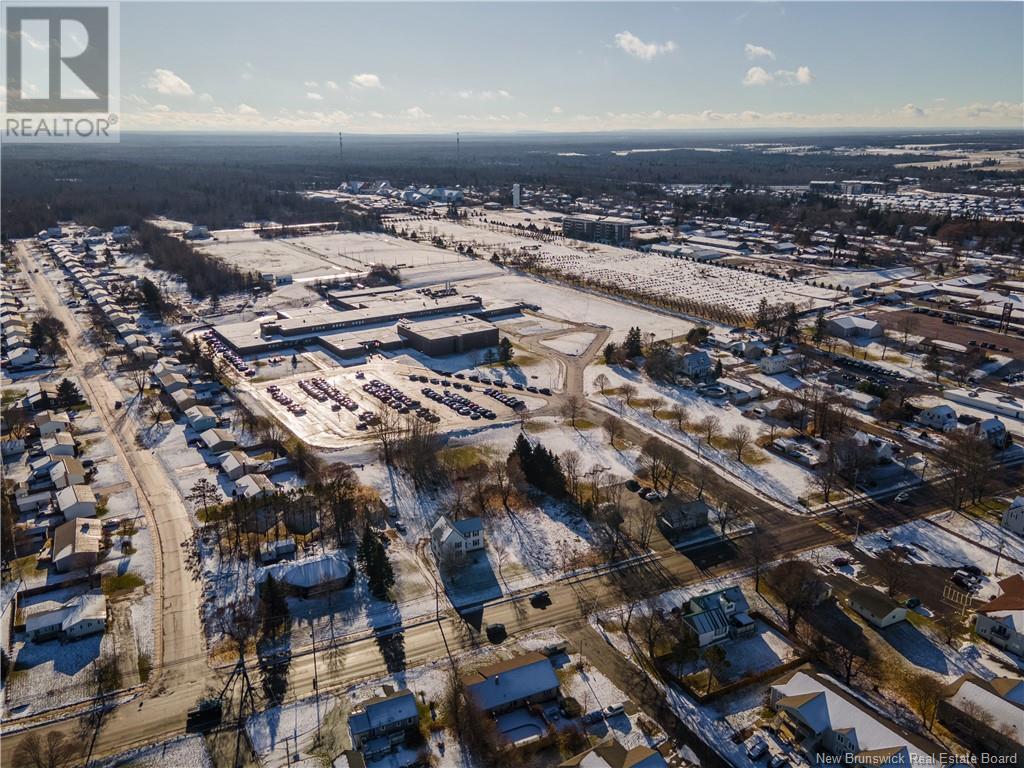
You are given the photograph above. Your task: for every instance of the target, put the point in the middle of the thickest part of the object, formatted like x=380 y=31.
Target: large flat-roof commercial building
x=350 y=328
x=589 y=226
x=448 y=335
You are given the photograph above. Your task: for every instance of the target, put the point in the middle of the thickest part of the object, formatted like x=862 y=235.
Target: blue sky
x=422 y=67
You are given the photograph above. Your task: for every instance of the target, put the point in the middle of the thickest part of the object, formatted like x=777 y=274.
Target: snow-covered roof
x=823 y=708
x=1001 y=699
x=308 y=572
x=510 y=681
x=73 y=494
x=383 y=711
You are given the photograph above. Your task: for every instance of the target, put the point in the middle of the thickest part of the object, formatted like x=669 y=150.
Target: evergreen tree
x=634 y=343
x=68 y=393
x=610 y=352
x=819 y=327
x=763 y=319
x=505 y=350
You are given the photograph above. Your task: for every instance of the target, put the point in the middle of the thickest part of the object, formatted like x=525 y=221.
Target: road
x=180 y=652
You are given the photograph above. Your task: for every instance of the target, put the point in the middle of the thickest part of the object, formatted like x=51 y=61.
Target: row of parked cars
x=878 y=370
x=321 y=390
x=511 y=401
x=396 y=399
x=234 y=360
x=459 y=404
x=294 y=408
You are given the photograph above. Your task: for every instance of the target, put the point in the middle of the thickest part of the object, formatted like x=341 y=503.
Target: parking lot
x=338 y=406
x=931 y=326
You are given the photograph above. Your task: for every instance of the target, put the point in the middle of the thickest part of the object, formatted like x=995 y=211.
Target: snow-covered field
x=573 y=344
x=182 y=752
x=650 y=274
x=772 y=476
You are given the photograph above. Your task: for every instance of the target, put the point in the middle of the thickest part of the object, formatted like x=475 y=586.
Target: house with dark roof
x=382 y=723
x=1001 y=619
x=986 y=715
x=451 y=540
x=715 y=617
x=516 y=682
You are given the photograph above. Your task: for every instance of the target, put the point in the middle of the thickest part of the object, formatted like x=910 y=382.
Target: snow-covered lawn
x=764 y=651
x=772 y=475
x=573 y=344
x=182 y=752
x=278 y=734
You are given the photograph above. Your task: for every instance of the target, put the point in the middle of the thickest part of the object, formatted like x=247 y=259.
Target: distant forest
x=223 y=180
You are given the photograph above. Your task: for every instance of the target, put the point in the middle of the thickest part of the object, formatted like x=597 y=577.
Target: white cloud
x=311 y=84
x=166 y=82
x=758 y=52
x=913 y=110
x=750 y=116
x=760 y=76
x=245 y=109
x=366 y=80
x=416 y=113
x=160 y=108
x=484 y=95
x=314 y=96
x=757 y=76
x=331 y=85
x=556 y=110
x=636 y=47
x=802 y=76
x=206 y=98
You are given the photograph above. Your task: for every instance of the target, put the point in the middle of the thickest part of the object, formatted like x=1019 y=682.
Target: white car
x=757 y=748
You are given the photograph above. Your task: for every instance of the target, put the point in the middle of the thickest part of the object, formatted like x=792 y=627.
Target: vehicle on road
x=540 y=599
x=778 y=761
x=496 y=632
x=902 y=497
x=613 y=710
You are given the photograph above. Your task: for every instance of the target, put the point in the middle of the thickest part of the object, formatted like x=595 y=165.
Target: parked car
x=632 y=485
x=778 y=761
x=613 y=710
x=757 y=748
x=540 y=598
x=912 y=603
x=902 y=497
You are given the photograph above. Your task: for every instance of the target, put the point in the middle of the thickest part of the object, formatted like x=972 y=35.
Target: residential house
x=876 y=607
x=818 y=716
x=48 y=422
x=235 y=464
x=172 y=381
x=1001 y=619
x=22 y=356
x=775 y=364
x=986 y=715
x=380 y=724
x=941 y=418
x=696 y=364
x=994 y=431
x=184 y=398
x=201 y=418
x=740 y=392
x=853 y=327
x=454 y=539
x=76 y=501
x=76 y=544
x=65 y=471
x=58 y=444
x=1013 y=516
x=254 y=486
x=517 y=682
x=611 y=754
x=677 y=516
x=717 y=616
x=218 y=440
x=310 y=576
x=877 y=449
x=78 y=617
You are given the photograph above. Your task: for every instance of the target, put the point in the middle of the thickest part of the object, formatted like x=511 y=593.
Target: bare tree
x=925 y=692
x=139 y=376
x=797 y=584
x=55 y=750
x=613 y=427
x=386 y=430
x=894 y=571
x=710 y=426
x=654 y=457
x=655 y=405
x=628 y=392
x=678 y=414
x=571 y=408
x=571 y=465
x=601 y=382
x=739 y=438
